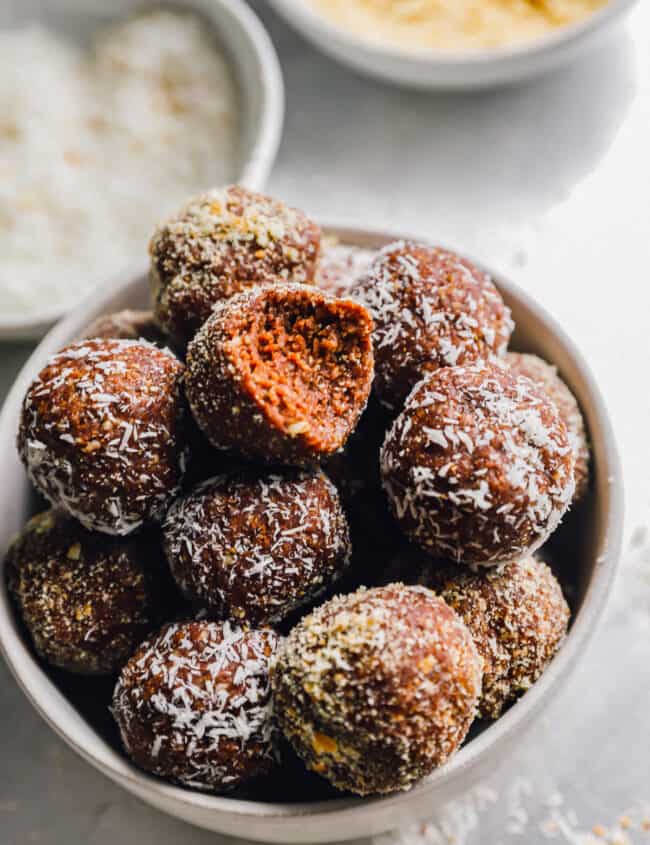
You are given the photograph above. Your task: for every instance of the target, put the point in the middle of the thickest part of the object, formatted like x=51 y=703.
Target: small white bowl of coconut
x=109 y=117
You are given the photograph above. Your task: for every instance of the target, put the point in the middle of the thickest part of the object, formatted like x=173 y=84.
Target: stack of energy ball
x=205 y=499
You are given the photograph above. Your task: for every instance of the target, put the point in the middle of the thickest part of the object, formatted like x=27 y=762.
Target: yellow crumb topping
x=454 y=24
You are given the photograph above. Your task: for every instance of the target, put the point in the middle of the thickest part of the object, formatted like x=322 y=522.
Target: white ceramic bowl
x=444 y=70
x=257 y=70
x=590 y=545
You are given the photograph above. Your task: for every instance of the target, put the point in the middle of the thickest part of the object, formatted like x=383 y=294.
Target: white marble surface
x=550 y=183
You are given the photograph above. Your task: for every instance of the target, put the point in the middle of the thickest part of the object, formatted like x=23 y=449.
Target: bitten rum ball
x=431 y=308
x=102 y=433
x=255 y=546
x=220 y=243
x=376 y=689
x=86 y=599
x=546 y=375
x=194 y=705
x=516 y=614
x=478 y=467
x=281 y=373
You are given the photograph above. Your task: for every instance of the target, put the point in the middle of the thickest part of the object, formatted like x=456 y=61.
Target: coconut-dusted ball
x=86 y=599
x=376 y=689
x=102 y=433
x=281 y=373
x=478 y=467
x=221 y=243
x=515 y=612
x=256 y=546
x=431 y=308
x=340 y=265
x=129 y=324
x=546 y=374
x=193 y=704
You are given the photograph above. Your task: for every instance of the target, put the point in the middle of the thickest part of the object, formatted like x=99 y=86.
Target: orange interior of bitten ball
x=308 y=364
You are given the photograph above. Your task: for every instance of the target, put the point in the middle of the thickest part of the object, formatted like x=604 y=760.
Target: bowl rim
x=254 y=171
x=301 y=15
x=30 y=675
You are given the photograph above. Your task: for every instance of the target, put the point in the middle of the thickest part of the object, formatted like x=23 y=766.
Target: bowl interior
x=250 y=52
x=583 y=551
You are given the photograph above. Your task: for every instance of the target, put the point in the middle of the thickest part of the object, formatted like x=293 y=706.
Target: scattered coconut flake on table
x=96 y=146
x=528 y=814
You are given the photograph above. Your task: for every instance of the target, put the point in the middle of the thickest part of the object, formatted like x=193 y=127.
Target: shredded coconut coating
x=257 y=546
x=281 y=373
x=193 y=705
x=129 y=324
x=431 y=308
x=516 y=614
x=102 y=433
x=546 y=374
x=340 y=265
x=87 y=600
x=220 y=243
x=376 y=689
x=478 y=467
